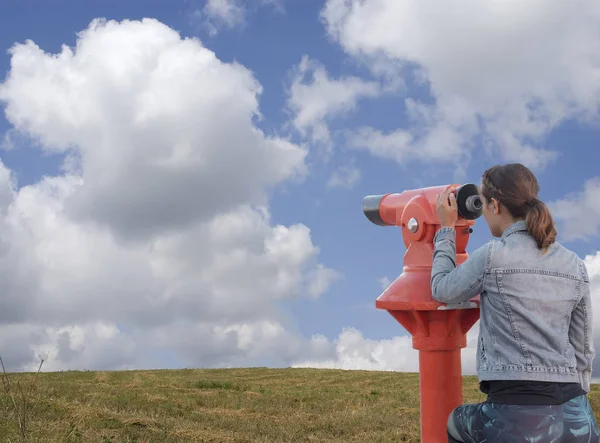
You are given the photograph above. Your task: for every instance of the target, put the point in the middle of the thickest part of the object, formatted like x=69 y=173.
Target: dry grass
x=233 y=405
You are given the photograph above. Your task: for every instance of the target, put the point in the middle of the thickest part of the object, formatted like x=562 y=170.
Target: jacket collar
x=520 y=225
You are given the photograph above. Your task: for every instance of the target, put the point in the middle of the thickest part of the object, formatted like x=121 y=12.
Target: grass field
x=230 y=405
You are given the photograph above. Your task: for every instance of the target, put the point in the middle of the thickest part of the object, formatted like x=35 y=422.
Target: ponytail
x=516 y=188
x=540 y=223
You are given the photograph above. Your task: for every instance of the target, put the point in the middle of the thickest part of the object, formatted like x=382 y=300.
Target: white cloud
x=578 y=214
x=351 y=350
x=440 y=144
x=344 y=177
x=384 y=282
x=501 y=74
x=321 y=279
x=314 y=98
x=231 y=12
x=157 y=236
x=148 y=148
x=218 y=14
x=592 y=263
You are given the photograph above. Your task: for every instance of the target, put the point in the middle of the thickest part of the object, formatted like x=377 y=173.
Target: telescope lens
x=371 y=209
x=473 y=203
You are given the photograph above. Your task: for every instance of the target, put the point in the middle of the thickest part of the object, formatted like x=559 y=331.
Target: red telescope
x=438 y=330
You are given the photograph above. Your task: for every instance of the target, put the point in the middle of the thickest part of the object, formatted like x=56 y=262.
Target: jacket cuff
x=585 y=380
x=445 y=233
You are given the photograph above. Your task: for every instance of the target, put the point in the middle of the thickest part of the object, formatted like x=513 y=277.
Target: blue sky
x=271 y=44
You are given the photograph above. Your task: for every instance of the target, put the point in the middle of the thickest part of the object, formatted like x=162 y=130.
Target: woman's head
x=510 y=194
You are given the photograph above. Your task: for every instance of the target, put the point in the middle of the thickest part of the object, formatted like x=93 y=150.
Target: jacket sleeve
x=580 y=334
x=452 y=284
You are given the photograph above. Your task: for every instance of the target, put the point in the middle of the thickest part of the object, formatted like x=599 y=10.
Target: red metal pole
x=438 y=331
x=441 y=391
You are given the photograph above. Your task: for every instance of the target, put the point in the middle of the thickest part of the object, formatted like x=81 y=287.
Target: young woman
x=535 y=349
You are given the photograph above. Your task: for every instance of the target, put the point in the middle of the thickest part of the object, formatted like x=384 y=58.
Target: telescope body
x=438 y=330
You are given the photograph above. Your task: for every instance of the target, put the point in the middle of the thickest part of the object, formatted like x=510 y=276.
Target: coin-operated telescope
x=438 y=330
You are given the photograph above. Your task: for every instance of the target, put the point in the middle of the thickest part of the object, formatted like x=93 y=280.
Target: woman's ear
x=496 y=206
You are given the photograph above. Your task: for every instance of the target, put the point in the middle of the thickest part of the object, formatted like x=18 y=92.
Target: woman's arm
x=451 y=284
x=580 y=334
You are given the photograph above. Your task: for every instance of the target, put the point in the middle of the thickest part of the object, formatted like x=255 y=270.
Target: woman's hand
x=446 y=208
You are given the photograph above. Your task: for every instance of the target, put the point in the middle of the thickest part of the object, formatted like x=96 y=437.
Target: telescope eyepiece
x=473 y=203
x=469 y=202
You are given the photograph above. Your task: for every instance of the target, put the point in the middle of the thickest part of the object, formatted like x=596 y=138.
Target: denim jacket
x=535 y=312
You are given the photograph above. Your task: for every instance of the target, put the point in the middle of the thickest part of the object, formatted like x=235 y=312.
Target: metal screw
x=413 y=225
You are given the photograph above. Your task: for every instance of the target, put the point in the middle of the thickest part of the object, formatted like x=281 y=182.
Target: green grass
x=232 y=405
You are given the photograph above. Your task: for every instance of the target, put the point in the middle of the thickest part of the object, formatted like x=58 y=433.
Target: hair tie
x=531 y=202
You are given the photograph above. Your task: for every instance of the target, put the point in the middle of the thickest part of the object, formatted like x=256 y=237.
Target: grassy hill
x=232 y=405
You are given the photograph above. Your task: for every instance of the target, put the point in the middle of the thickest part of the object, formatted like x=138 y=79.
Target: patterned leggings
x=571 y=422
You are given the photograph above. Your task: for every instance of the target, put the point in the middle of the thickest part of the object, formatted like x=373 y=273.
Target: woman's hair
x=515 y=186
